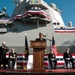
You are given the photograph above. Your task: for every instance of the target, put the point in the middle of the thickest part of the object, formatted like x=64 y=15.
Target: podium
x=38 y=55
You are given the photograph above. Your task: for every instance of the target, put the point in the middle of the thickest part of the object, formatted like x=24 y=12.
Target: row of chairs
x=21 y=61
x=69 y=65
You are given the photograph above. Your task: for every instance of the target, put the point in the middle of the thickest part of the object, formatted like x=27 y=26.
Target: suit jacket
x=67 y=55
x=38 y=39
x=50 y=56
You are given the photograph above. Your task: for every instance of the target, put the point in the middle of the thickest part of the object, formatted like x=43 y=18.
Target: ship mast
x=17 y=2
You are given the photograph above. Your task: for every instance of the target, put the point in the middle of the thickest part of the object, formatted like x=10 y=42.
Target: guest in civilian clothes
x=68 y=57
x=52 y=59
x=41 y=37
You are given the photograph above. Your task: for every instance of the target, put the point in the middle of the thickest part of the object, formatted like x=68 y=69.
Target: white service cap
x=3 y=42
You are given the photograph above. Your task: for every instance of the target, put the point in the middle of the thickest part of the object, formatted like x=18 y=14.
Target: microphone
x=44 y=35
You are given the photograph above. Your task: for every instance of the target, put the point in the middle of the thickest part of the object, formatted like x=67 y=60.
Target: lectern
x=38 y=55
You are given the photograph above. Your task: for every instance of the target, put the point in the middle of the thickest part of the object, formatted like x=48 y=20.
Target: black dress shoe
x=72 y=67
x=54 y=67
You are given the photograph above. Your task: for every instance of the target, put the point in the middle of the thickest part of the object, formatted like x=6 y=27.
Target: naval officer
x=3 y=50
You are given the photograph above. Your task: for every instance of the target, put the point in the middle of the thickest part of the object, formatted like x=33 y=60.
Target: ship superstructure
x=31 y=17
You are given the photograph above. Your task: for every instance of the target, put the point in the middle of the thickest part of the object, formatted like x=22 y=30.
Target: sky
x=66 y=6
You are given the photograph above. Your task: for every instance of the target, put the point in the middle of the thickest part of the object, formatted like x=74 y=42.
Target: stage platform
x=28 y=72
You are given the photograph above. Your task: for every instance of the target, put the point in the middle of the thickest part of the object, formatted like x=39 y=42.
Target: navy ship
x=30 y=17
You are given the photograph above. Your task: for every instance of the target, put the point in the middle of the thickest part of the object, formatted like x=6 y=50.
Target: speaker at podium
x=38 y=55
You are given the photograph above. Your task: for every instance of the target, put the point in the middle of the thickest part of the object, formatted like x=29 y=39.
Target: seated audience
x=68 y=57
x=12 y=58
x=52 y=59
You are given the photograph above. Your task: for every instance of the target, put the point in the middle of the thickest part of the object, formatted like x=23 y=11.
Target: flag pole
x=50 y=43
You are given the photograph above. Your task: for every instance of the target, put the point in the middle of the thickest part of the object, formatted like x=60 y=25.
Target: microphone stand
x=50 y=43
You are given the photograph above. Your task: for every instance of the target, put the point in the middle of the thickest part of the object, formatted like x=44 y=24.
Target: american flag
x=54 y=46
